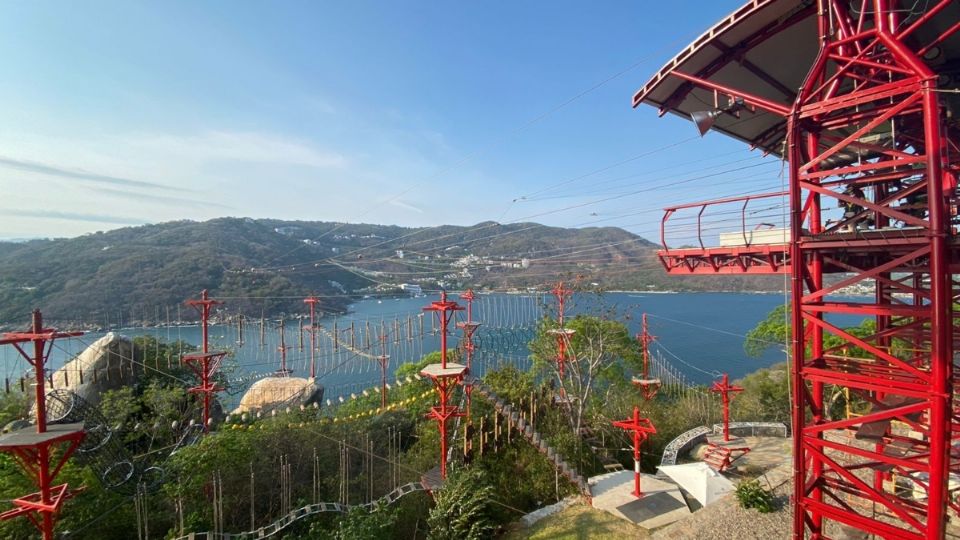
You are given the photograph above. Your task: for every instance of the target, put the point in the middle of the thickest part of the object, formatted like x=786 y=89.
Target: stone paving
x=661 y=504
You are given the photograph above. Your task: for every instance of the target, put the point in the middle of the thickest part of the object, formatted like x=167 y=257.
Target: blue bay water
x=700 y=334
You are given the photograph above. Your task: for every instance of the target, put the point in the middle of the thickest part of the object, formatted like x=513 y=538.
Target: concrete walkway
x=661 y=504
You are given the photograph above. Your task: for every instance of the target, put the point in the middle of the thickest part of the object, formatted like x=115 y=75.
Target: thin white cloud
x=238 y=146
x=406 y=206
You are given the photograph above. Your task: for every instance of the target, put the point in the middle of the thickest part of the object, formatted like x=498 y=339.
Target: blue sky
x=410 y=113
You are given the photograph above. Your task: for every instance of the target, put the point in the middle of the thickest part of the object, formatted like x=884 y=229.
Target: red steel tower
x=724 y=388
x=469 y=327
x=641 y=428
x=849 y=93
x=446 y=375
x=40 y=452
x=205 y=363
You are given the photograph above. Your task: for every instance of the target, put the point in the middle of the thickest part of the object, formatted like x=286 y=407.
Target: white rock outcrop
x=272 y=392
x=107 y=364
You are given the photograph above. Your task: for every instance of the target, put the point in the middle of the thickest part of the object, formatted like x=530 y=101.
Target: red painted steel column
x=312 y=301
x=636 y=454
x=641 y=428
x=941 y=357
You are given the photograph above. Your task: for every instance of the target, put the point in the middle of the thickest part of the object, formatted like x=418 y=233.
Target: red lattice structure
x=641 y=429
x=43 y=450
x=850 y=93
x=468 y=327
x=445 y=375
x=648 y=386
x=205 y=363
x=725 y=389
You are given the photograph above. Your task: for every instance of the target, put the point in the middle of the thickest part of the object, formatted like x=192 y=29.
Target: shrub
x=752 y=495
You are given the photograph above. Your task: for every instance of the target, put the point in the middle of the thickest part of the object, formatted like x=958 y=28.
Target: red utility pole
x=649 y=387
x=724 y=388
x=312 y=301
x=469 y=327
x=445 y=375
x=561 y=334
x=205 y=363
x=641 y=428
x=33 y=450
x=283 y=371
x=384 y=359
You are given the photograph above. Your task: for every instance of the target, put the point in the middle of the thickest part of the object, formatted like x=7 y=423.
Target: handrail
x=702 y=205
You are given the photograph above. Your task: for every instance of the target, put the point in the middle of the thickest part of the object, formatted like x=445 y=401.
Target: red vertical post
x=445 y=375
x=724 y=388
x=384 y=359
x=206 y=363
x=283 y=371
x=641 y=428
x=561 y=334
x=312 y=302
x=646 y=339
x=469 y=327
x=648 y=386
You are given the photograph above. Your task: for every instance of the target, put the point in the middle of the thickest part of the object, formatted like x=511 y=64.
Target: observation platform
x=860 y=248
x=437 y=371
x=28 y=438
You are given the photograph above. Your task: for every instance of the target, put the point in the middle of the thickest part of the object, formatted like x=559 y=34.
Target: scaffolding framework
x=868 y=133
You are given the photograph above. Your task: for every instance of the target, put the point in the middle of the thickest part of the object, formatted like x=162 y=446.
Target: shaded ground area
x=579 y=522
x=725 y=519
x=765 y=453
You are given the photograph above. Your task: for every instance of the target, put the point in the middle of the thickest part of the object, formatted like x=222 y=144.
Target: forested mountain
x=267 y=266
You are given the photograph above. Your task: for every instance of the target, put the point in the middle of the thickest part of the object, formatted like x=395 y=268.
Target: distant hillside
x=137 y=273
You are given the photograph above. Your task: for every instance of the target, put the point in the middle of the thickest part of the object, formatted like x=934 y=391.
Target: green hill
x=267 y=266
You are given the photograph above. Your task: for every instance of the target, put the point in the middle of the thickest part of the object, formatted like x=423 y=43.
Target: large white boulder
x=107 y=364
x=271 y=392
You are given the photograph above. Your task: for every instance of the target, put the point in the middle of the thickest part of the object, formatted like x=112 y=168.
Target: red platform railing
x=752 y=256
